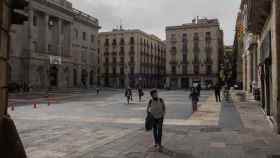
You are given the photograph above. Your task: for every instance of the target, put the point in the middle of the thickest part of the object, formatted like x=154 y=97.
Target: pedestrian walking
x=194 y=96
x=97 y=90
x=140 y=93
x=128 y=94
x=156 y=108
x=217 y=90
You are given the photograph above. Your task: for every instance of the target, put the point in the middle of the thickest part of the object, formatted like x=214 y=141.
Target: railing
x=86 y=16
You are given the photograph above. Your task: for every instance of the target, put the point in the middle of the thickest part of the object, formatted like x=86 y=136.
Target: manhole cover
x=135 y=155
x=211 y=129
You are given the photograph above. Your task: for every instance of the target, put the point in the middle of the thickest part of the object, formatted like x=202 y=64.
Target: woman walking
x=156 y=108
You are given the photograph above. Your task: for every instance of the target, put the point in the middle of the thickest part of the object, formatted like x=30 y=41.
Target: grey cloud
x=153 y=15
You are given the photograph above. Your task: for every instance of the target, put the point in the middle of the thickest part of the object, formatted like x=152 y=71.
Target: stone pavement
x=106 y=127
x=229 y=130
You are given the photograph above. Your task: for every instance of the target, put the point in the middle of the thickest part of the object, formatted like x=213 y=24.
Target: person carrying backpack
x=156 y=108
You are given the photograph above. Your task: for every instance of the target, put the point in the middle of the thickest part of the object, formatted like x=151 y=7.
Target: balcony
x=173 y=62
x=114 y=53
x=106 y=54
x=121 y=53
x=132 y=52
x=173 y=41
x=131 y=62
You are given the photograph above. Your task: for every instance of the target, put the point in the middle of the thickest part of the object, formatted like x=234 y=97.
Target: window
x=195 y=37
x=122 y=41
x=122 y=70
x=184 y=58
x=92 y=38
x=174 y=70
x=185 y=70
x=132 y=59
x=114 y=60
x=184 y=38
x=35 y=46
x=84 y=36
x=76 y=33
x=196 y=69
x=106 y=70
x=122 y=60
x=114 y=70
x=107 y=42
x=132 y=70
x=35 y=20
x=209 y=69
x=131 y=40
x=114 y=42
x=49 y=47
x=132 y=49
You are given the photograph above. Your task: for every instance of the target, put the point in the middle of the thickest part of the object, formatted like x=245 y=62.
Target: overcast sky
x=152 y=16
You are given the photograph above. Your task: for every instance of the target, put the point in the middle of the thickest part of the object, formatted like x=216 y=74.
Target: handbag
x=149 y=121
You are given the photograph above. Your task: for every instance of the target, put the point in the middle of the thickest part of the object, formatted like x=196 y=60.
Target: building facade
x=56 y=48
x=259 y=33
x=194 y=53
x=130 y=58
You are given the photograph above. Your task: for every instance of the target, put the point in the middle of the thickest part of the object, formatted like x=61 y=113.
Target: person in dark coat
x=217 y=90
x=128 y=94
x=140 y=93
x=194 y=96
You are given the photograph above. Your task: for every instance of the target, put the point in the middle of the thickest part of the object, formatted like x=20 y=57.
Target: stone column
x=59 y=44
x=276 y=60
x=70 y=39
x=46 y=31
x=30 y=28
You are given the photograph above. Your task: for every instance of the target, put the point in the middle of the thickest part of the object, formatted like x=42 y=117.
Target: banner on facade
x=55 y=60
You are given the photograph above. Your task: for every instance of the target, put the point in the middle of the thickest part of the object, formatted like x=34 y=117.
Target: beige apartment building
x=56 y=48
x=194 y=53
x=130 y=58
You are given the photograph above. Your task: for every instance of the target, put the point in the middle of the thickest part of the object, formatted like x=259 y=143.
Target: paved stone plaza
x=104 y=126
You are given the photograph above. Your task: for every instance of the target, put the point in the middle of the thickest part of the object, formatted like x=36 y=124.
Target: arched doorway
x=75 y=77
x=40 y=77
x=84 y=77
x=91 y=77
x=9 y=73
x=66 y=77
x=53 y=76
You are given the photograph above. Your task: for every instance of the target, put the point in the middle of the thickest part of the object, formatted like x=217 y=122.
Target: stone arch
x=84 y=77
x=75 y=76
x=91 y=77
x=66 y=77
x=53 y=76
x=40 y=77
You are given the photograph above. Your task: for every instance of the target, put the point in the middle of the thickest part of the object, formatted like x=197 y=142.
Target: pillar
x=46 y=31
x=59 y=47
x=276 y=60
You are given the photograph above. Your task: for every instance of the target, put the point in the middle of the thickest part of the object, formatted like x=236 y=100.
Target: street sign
x=55 y=60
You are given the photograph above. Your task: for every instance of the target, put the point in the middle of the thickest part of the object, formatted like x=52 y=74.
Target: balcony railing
x=173 y=62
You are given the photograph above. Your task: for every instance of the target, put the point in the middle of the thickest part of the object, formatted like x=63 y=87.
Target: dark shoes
x=158 y=147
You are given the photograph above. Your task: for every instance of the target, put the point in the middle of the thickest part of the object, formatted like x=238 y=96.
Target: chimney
x=194 y=21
